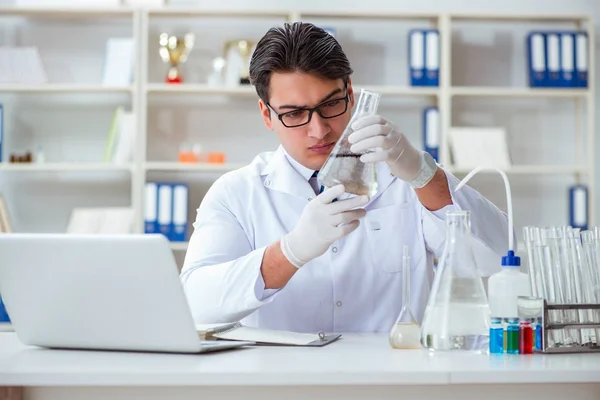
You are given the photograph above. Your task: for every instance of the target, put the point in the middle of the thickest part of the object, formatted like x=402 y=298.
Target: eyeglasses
x=302 y=116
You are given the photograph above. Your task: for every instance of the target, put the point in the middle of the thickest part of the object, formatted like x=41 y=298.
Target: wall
x=42 y=203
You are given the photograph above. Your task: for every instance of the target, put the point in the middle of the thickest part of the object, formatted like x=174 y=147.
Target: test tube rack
x=547 y=327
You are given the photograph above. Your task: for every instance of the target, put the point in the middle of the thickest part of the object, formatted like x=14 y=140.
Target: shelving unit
x=56 y=167
x=160 y=107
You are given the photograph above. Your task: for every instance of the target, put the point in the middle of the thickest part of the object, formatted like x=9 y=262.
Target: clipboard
x=264 y=337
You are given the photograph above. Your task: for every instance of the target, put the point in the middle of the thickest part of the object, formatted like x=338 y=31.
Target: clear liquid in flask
x=343 y=166
x=457 y=316
x=406 y=333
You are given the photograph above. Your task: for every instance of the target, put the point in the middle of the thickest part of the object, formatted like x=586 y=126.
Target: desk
x=355 y=367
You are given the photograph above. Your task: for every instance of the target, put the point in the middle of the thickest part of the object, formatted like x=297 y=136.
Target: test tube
x=551 y=294
x=582 y=282
x=590 y=265
x=538 y=334
x=533 y=267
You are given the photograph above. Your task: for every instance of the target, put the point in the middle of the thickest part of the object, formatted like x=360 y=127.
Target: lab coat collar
x=306 y=173
x=280 y=175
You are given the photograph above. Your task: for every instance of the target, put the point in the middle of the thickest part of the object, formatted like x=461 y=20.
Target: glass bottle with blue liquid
x=496 y=336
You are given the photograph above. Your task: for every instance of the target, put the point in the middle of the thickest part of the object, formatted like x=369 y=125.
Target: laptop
x=98 y=292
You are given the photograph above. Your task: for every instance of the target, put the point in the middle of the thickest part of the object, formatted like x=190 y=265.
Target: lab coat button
x=334 y=249
x=267 y=183
x=339 y=303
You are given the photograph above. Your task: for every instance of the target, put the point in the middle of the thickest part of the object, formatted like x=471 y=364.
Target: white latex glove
x=322 y=222
x=388 y=144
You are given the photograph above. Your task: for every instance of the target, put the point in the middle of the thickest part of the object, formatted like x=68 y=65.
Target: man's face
x=311 y=143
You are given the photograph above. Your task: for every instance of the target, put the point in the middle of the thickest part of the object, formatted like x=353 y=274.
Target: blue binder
x=165 y=209
x=578 y=206
x=431 y=129
x=432 y=57
x=151 y=208
x=180 y=212
x=424 y=57
x=537 y=60
x=567 y=59
x=416 y=57
x=581 y=59
x=553 y=59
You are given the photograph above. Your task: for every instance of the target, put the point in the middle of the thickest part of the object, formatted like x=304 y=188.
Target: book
x=239 y=332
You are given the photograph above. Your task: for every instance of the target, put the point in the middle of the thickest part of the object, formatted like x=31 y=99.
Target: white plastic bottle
x=506 y=286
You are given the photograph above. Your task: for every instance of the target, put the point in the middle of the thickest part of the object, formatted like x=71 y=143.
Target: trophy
x=174 y=50
x=237 y=56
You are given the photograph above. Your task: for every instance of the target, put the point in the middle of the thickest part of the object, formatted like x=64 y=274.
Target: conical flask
x=405 y=334
x=457 y=316
x=343 y=166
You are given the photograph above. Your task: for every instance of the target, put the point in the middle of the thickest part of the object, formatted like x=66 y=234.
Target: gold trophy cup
x=174 y=50
x=237 y=53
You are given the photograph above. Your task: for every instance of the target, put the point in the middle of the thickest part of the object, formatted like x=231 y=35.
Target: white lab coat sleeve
x=489 y=227
x=221 y=273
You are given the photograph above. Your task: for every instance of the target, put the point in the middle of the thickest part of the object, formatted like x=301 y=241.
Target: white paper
x=21 y=65
x=251 y=334
x=101 y=221
x=118 y=66
x=479 y=146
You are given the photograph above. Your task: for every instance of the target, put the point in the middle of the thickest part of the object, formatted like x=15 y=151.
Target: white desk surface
x=354 y=359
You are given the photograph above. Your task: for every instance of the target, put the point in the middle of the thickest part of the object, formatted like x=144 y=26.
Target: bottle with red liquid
x=525 y=336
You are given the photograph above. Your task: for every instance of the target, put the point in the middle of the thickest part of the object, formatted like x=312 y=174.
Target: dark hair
x=299 y=46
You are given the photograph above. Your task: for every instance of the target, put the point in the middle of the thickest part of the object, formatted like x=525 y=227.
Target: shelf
x=193 y=88
x=516 y=92
x=179 y=246
x=197 y=167
x=399 y=90
x=68 y=12
x=529 y=170
x=64 y=88
x=367 y=15
x=57 y=167
x=519 y=17
x=249 y=90
x=199 y=12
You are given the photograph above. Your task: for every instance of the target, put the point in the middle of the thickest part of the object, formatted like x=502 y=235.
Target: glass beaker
x=457 y=316
x=343 y=166
x=405 y=334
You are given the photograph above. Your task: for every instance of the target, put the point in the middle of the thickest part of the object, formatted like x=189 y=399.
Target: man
x=271 y=250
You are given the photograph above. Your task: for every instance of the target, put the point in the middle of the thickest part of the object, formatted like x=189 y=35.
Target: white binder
x=538 y=72
x=151 y=208
x=581 y=60
x=417 y=57
x=567 y=59
x=180 y=213
x=432 y=57
x=165 y=209
x=553 y=49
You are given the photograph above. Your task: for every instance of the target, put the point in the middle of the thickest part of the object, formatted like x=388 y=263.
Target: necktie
x=314 y=183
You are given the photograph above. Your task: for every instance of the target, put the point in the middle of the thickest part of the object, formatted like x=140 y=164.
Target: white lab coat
x=355 y=286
